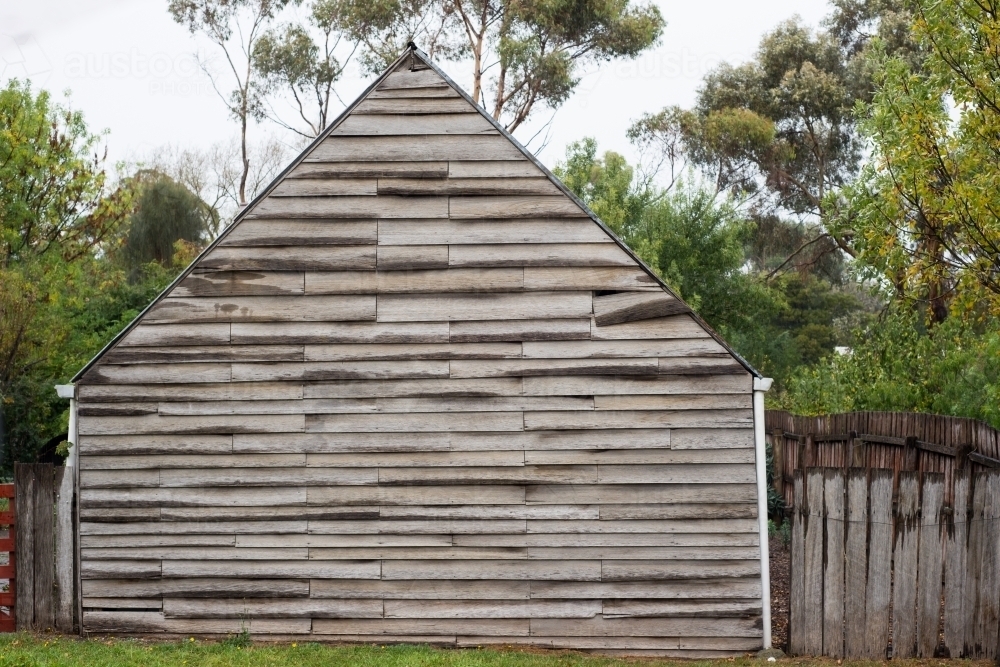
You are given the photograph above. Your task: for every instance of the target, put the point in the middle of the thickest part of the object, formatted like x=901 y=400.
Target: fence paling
x=894 y=555
x=8 y=546
x=893 y=440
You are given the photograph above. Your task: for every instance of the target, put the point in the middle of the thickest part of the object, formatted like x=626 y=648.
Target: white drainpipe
x=760 y=386
x=69 y=391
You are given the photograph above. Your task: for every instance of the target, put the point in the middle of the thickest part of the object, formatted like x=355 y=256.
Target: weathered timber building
x=418 y=392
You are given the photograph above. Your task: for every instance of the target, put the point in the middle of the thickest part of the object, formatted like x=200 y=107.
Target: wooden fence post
x=929 y=564
x=879 y=564
x=990 y=575
x=24 y=503
x=36 y=548
x=813 y=570
x=856 y=562
x=778 y=460
x=904 y=562
x=956 y=553
x=797 y=601
x=65 y=604
x=833 y=570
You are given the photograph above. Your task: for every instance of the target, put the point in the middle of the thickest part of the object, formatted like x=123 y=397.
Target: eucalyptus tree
x=524 y=54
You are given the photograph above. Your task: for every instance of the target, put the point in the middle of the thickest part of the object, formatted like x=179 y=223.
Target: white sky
x=131 y=69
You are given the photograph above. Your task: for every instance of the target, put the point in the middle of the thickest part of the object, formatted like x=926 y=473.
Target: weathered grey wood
x=155 y=623
x=414 y=281
x=990 y=577
x=595 y=278
x=797 y=600
x=664 y=385
x=405 y=423
x=416 y=388
x=691 y=473
x=414 y=105
x=634 y=306
x=382 y=352
x=264 y=309
x=426 y=628
x=812 y=618
x=327 y=569
x=674 y=326
x=701 y=366
x=240 y=283
x=431 y=148
x=659 y=402
x=176 y=334
x=639 y=590
x=408 y=78
x=630 y=570
x=492 y=609
x=636 y=493
x=205 y=497
x=929 y=564
x=973 y=642
x=606 y=419
x=152 y=424
x=539 y=254
x=361 y=124
x=638 y=457
x=297 y=187
x=904 y=558
x=264 y=391
x=382 y=206
x=955 y=566
x=120 y=569
x=833 y=565
x=291 y=258
x=486 y=169
x=270 y=608
x=43 y=547
x=482 y=306
x=540 y=185
x=519 y=330
x=159 y=373
x=424 y=495
x=513 y=206
x=569 y=570
x=339 y=370
x=198 y=587
x=679 y=608
x=399 y=258
x=254 y=233
x=856 y=564
x=649 y=627
x=554 y=367
x=369 y=169
x=679 y=347
x=271 y=333
x=203 y=353
x=155 y=444
x=24 y=506
x=711 y=438
x=429 y=232
x=65 y=579
x=880 y=537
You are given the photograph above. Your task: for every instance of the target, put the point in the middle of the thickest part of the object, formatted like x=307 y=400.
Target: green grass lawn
x=23 y=650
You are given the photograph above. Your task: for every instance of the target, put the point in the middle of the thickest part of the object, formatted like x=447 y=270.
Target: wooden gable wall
x=417 y=394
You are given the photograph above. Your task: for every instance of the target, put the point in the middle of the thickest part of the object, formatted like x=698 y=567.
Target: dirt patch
x=780 y=585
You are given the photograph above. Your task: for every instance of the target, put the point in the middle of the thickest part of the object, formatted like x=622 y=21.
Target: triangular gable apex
x=412 y=54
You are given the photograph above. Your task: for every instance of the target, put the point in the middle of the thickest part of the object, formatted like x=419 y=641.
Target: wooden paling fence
x=44 y=596
x=7 y=567
x=874 y=579
x=899 y=441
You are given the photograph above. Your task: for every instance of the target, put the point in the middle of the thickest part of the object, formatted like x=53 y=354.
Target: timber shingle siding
x=417 y=393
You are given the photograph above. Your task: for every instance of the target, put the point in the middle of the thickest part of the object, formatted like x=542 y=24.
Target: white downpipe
x=760 y=387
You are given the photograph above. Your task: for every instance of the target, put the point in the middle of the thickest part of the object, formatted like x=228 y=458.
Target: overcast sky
x=131 y=69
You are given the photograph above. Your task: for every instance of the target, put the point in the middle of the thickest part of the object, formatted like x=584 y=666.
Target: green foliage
x=165 y=212
x=702 y=247
x=533 y=50
x=897 y=363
